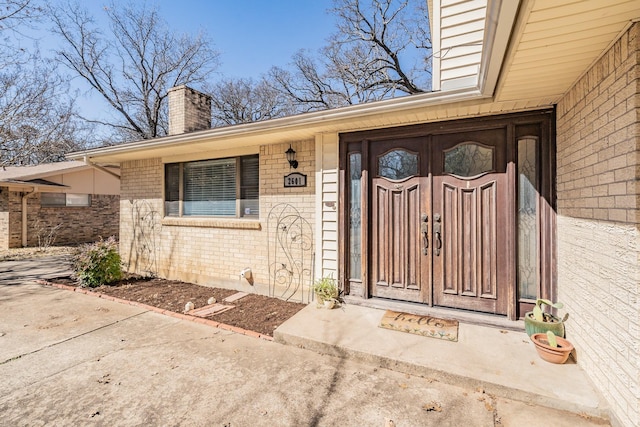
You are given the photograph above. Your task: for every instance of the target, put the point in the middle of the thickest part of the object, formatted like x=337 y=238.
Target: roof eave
x=501 y=16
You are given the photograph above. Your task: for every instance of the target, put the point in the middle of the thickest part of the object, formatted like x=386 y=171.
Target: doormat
x=426 y=326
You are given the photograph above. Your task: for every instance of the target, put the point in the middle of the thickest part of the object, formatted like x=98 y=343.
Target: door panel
x=471 y=270
x=439 y=215
x=398 y=265
x=399 y=269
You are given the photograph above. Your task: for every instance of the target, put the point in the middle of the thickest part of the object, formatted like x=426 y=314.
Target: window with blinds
x=218 y=187
x=172 y=189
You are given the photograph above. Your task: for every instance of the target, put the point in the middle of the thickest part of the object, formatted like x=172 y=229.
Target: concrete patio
x=501 y=362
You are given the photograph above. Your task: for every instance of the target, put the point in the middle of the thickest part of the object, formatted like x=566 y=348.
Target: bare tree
x=36 y=115
x=15 y=16
x=380 y=50
x=16 y=13
x=134 y=66
x=36 y=124
x=243 y=101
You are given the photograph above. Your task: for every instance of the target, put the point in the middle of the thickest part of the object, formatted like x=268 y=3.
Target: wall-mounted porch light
x=291 y=157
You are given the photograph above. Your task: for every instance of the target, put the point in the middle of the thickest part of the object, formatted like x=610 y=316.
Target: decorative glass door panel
x=471 y=208
x=399 y=199
x=457 y=214
x=438 y=224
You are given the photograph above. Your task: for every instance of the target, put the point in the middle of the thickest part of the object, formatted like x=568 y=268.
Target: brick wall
x=74 y=224
x=67 y=225
x=189 y=110
x=598 y=132
x=210 y=251
x=4 y=218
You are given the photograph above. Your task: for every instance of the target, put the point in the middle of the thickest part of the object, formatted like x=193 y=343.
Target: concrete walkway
x=72 y=359
x=501 y=362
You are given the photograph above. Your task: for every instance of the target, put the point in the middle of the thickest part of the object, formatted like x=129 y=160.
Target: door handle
x=437 y=241
x=424 y=230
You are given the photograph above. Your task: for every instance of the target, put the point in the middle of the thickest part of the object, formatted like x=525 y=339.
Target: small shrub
x=98 y=263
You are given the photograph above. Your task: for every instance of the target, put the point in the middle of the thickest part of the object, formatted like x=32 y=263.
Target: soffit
x=556 y=41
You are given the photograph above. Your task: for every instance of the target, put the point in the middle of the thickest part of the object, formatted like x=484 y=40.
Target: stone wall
x=206 y=250
x=598 y=161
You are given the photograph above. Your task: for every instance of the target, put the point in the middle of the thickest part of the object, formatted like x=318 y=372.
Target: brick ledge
x=241 y=224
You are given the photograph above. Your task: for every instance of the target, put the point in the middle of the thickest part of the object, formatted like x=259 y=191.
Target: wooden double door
x=440 y=220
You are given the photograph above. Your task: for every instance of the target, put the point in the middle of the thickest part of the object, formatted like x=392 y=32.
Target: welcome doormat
x=426 y=326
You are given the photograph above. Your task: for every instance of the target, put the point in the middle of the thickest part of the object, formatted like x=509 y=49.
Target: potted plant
x=540 y=321
x=552 y=348
x=326 y=292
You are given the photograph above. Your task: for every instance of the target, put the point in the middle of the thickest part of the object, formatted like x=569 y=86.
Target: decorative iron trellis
x=290 y=254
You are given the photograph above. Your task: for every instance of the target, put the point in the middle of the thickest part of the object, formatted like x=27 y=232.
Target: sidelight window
x=355 y=216
x=528 y=229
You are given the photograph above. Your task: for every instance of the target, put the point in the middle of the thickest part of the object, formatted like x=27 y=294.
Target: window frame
x=240 y=212
x=66 y=200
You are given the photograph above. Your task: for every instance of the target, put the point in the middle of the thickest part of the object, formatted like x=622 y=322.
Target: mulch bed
x=253 y=312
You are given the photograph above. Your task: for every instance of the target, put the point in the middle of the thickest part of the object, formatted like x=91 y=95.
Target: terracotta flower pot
x=558 y=354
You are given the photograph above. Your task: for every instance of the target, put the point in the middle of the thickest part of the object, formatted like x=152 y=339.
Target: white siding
x=327 y=205
x=458 y=31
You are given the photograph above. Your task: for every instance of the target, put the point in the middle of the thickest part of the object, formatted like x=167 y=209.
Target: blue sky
x=251 y=35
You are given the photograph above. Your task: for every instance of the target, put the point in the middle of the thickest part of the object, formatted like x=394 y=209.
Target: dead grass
x=15 y=254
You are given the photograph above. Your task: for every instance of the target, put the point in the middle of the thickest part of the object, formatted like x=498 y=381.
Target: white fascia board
x=317 y=118
x=500 y=20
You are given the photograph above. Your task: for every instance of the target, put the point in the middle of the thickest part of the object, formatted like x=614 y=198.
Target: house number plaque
x=295 y=179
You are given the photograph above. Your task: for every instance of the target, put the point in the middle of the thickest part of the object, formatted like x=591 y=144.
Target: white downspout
x=24 y=215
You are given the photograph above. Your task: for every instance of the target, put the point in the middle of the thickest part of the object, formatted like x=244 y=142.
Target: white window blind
x=218 y=187
x=210 y=187
x=249 y=186
x=64 y=199
x=172 y=189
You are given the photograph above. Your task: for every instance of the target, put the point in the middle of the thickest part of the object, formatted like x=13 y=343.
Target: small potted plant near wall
x=552 y=348
x=539 y=320
x=326 y=292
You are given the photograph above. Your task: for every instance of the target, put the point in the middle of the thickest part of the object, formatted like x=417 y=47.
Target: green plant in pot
x=327 y=292
x=541 y=321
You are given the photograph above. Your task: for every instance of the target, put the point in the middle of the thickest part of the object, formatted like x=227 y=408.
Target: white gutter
x=100 y=168
x=290 y=122
x=500 y=20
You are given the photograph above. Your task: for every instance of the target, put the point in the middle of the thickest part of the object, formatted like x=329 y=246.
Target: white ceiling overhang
x=534 y=51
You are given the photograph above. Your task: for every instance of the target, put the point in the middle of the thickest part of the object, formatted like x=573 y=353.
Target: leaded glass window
x=528 y=232
x=355 y=216
x=468 y=159
x=397 y=164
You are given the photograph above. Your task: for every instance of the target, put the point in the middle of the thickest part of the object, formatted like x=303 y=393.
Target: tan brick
x=619 y=215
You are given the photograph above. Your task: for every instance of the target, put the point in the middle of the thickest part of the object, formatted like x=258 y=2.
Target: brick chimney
x=189 y=110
